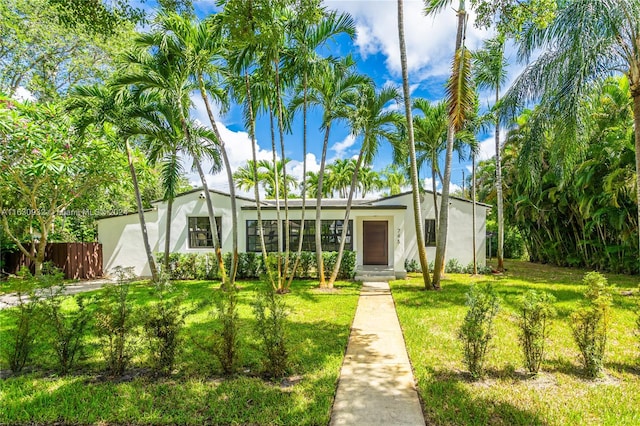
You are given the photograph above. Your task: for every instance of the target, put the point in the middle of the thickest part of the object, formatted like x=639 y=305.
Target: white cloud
x=428 y=184
x=340 y=148
x=430 y=40
x=488 y=146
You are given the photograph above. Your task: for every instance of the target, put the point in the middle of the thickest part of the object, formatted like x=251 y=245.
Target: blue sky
x=430 y=43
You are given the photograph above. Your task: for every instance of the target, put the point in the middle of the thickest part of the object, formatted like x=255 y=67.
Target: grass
x=560 y=395
x=196 y=393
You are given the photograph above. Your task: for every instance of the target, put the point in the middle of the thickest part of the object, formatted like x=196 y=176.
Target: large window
x=330 y=234
x=270 y=235
x=430 y=232
x=200 y=235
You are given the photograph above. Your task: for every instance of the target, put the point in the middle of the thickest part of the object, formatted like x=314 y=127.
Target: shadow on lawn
x=449 y=399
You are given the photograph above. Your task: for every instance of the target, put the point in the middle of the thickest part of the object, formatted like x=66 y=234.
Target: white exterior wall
x=122 y=245
x=460 y=236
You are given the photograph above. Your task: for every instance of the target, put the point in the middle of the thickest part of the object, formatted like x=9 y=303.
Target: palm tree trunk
x=345 y=223
x=473 y=213
x=143 y=224
x=167 y=235
x=636 y=120
x=304 y=181
x=212 y=224
x=500 y=201
x=443 y=226
x=283 y=279
x=435 y=194
x=256 y=191
x=417 y=211
x=276 y=186
x=318 y=235
x=232 y=189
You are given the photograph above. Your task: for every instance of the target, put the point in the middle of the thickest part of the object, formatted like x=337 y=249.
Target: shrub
x=116 y=322
x=412 y=265
x=19 y=343
x=226 y=343
x=590 y=322
x=534 y=311
x=477 y=327
x=271 y=314
x=454 y=267
x=163 y=324
x=67 y=327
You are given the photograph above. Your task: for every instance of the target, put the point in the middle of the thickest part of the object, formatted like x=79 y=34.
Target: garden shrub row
x=453 y=266
x=204 y=266
x=589 y=325
x=46 y=321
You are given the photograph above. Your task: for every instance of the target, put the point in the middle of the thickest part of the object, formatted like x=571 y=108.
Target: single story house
x=381 y=231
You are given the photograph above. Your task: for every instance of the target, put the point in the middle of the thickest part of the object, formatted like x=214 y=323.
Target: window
x=270 y=235
x=200 y=232
x=430 y=232
x=330 y=234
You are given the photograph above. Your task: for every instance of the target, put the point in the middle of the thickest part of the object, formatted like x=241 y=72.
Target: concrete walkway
x=376 y=385
x=9 y=300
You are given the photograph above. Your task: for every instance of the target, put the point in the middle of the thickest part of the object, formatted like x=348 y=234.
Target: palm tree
x=588 y=41
x=200 y=45
x=149 y=70
x=461 y=97
x=415 y=185
x=370 y=119
x=244 y=177
x=368 y=181
x=339 y=175
x=489 y=68
x=303 y=57
x=330 y=89
x=394 y=179
x=115 y=112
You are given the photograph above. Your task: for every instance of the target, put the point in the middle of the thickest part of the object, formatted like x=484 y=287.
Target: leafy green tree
x=44 y=167
x=588 y=41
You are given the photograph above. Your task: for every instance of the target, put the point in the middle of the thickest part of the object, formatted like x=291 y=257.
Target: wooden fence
x=76 y=260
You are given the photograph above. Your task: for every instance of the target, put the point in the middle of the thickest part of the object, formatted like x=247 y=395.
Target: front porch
x=376 y=273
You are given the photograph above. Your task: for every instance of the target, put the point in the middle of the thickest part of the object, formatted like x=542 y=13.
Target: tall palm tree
x=200 y=44
x=339 y=175
x=368 y=181
x=150 y=70
x=490 y=72
x=588 y=41
x=460 y=98
x=394 y=179
x=370 y=119
x=330 y=89
x=302 y=56
x=115 y=112
x=415 y=185
x=244 y=177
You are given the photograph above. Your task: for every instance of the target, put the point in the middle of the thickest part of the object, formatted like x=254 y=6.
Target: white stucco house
x=381 y=231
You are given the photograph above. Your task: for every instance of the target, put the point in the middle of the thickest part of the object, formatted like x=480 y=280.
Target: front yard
x=561 y=395
x=196 y=393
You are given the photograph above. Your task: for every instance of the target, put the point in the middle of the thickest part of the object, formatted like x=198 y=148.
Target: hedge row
x=203 y=266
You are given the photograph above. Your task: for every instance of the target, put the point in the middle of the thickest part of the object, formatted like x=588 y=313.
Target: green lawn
x=196 y=394
x=559 y=396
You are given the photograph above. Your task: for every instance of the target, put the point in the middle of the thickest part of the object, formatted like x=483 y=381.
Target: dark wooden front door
x=375 y=240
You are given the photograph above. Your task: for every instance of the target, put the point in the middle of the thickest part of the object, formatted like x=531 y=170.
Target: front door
x=375 y=240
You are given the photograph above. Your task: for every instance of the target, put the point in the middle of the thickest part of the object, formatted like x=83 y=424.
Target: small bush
x=116 y=322
x=477 y=327
x=412 y=265
x=454 y=267
x=67 y=328
x=590 y=322
x=18 y=345
x=226 y=342
x=163 y=324
x=534 y=311
x=271 y=314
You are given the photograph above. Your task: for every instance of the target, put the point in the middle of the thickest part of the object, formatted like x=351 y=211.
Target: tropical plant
x=415 y=186
x=534 y=312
